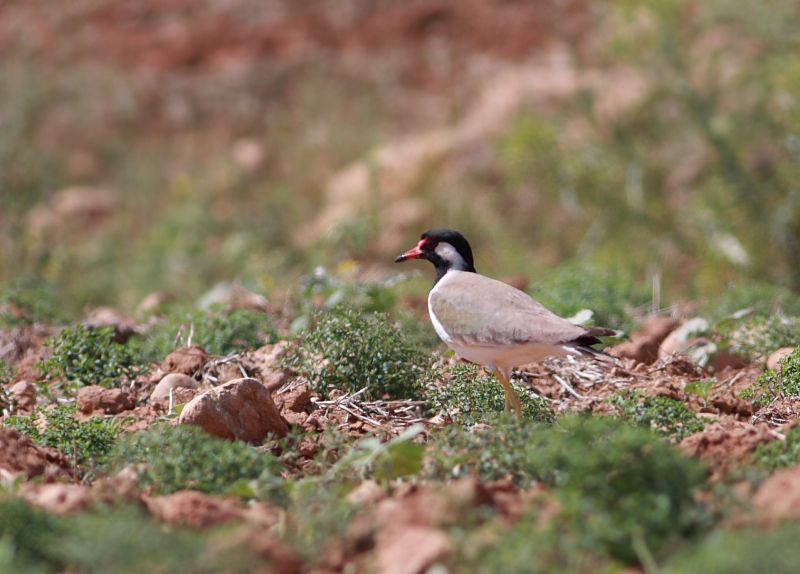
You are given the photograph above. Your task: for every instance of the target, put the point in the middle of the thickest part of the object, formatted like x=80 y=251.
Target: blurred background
x=168 y=145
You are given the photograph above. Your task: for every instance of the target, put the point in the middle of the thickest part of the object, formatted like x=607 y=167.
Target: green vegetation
x=784 y=381
x=610 y=293
x=662 y=414
x=757 y=337
x=624 y=491
x=87 y=443
x=779 y=453
x=219 y=332
x=754 y=298
x=83 y=356
x=180 y=457
x=741 y=552
x=117 y=539
x=470 y=395
x=346 y=350
x=25 y=302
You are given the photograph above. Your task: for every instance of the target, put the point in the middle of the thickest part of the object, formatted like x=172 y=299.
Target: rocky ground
x=400 y=522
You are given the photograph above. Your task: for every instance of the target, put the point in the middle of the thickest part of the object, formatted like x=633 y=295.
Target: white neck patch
x=449 y=253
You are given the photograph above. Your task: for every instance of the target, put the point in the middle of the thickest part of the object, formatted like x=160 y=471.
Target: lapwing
x=491 y=323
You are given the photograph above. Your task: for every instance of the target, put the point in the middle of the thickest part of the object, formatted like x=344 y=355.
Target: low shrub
x=662 y=414
x=27 y=539
x=624 y=491
x=110 y=539
x=470 y=395
x=784 y=381
x=83 y=356
x=343 y=349
x=86 y=443
x=779 y=453
x=218 y=331
x=179 y=457
x=758 y=336
x=740 y=552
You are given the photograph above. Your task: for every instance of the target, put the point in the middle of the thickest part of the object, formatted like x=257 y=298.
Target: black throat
x=443 y=266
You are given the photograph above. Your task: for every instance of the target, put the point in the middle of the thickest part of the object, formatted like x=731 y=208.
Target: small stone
x=682 y=338
x=24 y=394
x=108 y=401
x=186 y=360
x=242 y=409
x=775 y=359
x=410 y=549
x=171 y=382
x=367 y=492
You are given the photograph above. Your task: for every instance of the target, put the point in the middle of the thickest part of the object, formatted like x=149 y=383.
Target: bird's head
x=445 y=248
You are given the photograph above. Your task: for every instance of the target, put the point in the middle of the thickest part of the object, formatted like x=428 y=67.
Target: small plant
x=83 y=356
x=783 y=381
x=469 y=395
x=86 y=443
x=662 y=414
x=701 y=389
x=179 y=457
x=345 y=350
x=218 y=332
x=779 y=453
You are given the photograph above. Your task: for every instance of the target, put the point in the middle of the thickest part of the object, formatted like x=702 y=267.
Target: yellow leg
x=512 y=398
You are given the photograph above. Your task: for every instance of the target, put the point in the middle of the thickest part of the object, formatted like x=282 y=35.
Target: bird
x=489 y=322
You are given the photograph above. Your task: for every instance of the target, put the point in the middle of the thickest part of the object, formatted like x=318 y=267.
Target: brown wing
x=478 y=310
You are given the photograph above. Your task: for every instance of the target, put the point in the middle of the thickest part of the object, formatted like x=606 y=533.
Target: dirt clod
x=94 y=398
x=186 y=360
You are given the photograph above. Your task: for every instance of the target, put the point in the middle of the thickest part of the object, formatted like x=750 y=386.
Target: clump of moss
x=83 y=356
x=662 y=414
x=346 y=350
x=469 y=395
x=783 y=381
x=218 y=331
x=86 y=443
x=179 y=457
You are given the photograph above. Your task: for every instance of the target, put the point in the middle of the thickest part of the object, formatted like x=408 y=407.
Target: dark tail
x=583 y=344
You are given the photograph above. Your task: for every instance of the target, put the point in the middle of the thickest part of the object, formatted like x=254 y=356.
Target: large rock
x=172 y=382
x=108 y=401
x=242 y=409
